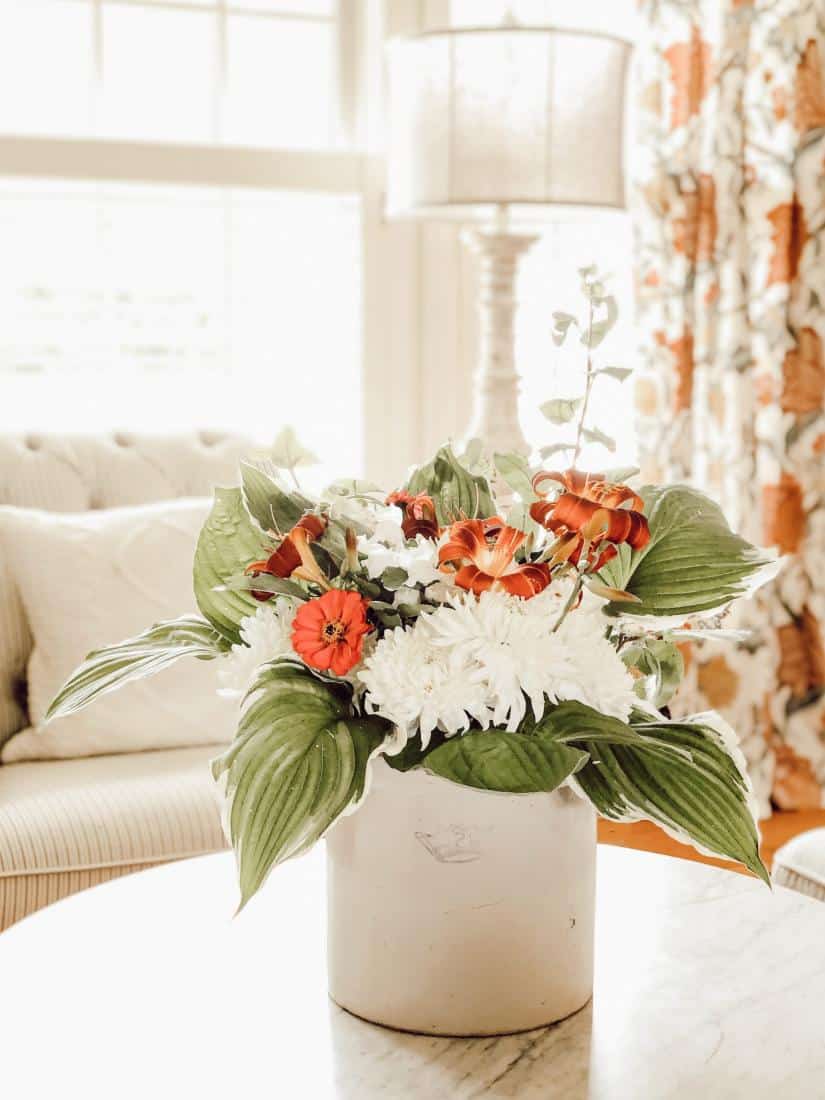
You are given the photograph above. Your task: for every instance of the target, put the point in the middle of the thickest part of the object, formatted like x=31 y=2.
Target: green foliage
x=661 y=666
x=515 y=471
x=680 y=775
x=394 y=578
x=619 y=373
x=456 y=493
x=693 y=562
x=561 y=410
x=594 y=435
x=299 y=759
x=495 y=760
x=288 y=453
x=272 y=506
x=561 y=326
x=106 y=669
x=413 y=755
x=228 y=542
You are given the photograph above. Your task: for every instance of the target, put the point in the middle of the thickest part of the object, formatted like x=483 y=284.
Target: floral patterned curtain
x=730 y=215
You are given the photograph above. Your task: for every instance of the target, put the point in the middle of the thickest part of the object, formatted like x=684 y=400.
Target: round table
x=707 y=984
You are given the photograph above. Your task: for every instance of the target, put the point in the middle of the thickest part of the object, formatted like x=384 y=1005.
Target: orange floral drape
x=730 y=215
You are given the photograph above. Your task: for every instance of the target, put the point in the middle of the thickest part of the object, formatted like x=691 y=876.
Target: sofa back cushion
x=81 y=473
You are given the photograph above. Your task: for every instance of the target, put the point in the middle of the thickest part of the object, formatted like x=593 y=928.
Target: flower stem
x=588 y=385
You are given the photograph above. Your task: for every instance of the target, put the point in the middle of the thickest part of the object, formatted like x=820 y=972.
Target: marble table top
x=707 y=985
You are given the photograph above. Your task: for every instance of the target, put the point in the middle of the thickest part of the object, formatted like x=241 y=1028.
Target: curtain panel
x=729 y=198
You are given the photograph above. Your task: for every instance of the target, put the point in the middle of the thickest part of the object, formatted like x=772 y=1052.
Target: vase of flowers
x=449 y=680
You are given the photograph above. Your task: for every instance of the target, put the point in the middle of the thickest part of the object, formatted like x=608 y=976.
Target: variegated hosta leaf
x=272 y=506
x=299 y=759
x=495 y=760
x=148 y=653
x=685 y=776
x=693 y=562
x=515 y=470
x=457 y=494
x=228 y=542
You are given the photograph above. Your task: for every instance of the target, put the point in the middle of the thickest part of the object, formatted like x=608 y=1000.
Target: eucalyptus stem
x=588 y=385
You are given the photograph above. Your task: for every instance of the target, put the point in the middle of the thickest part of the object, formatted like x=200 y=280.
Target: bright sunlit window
x=255 y=73
x=150 y=306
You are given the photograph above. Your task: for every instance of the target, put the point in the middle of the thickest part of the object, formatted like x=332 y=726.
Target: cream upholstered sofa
x=69 y=824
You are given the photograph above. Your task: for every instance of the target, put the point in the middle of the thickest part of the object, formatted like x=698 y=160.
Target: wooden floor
x=647 y=837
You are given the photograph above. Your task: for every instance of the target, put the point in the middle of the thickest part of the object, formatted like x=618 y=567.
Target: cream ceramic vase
x=453 y=911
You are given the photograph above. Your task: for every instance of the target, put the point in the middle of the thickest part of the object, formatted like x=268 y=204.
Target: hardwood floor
x=647 y=837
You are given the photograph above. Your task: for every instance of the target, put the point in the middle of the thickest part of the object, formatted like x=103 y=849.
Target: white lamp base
x=495 y=417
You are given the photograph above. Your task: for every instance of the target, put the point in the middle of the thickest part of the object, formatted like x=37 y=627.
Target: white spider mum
x=418 y=686
x=511 y=644
x=266 y=635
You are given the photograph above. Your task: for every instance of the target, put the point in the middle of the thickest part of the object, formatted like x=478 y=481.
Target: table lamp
x=502 y=126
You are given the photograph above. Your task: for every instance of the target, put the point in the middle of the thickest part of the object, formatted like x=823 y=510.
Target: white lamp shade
x=515 y=115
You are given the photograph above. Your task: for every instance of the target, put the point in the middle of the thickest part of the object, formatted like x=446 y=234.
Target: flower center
x=334 y=632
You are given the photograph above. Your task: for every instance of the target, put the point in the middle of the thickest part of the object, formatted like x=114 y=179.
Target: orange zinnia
x=328 y=632
x=589 y=511
x=293 y=556
x=483 y=552
x=419 y=516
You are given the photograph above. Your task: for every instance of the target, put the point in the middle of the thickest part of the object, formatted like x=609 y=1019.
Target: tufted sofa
x=69 y=824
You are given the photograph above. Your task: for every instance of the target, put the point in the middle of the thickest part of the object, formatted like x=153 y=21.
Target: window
x=253 y=73
x=182 y=212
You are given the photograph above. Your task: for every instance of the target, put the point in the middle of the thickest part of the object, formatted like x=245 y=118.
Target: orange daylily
x=483 y=554
x=293 y=556
x=419 y=514
x=589 y=512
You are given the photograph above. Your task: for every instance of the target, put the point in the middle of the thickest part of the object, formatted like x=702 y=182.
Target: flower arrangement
x=507 y=628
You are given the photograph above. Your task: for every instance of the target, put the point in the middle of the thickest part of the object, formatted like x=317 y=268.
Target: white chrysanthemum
x=266 y=635
x=418 y=558
x=510 y=644
x=417 y=686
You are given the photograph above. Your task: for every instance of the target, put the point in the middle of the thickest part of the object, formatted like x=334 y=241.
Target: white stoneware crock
x=453 y=911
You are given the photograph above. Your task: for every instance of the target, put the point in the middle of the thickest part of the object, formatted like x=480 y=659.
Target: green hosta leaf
x=412 y=755
x=287 y=453
x=619 y=373
x=268 y=502
x=457 y=494
x=661 y=665
x=593 y=435
x=515 y=470
x=228 y=542
x=693 y=562
x=106 y=669
x=561 y=410
x=299 y=759
x=495 y=760
x=694 y=788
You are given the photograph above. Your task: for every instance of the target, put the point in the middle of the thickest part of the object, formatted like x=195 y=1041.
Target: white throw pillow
x=87 y=580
